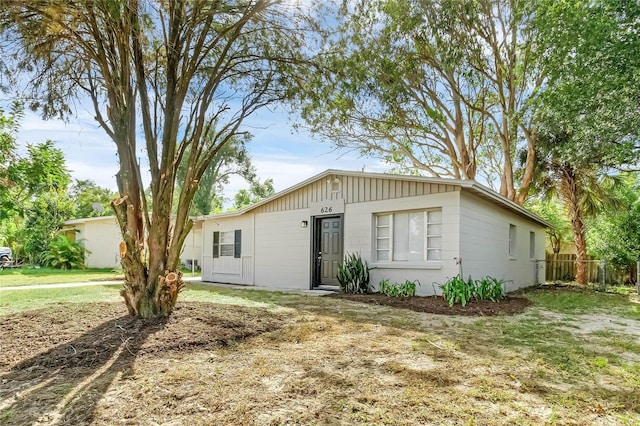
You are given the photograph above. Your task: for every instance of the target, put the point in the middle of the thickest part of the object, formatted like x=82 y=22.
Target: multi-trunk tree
x=436 y=87
x=171 y=80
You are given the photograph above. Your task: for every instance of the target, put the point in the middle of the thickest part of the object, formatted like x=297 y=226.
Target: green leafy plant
x=64 y=254
x=353 y=274
x=489 y=288
x=405 y=289
x=457 y=290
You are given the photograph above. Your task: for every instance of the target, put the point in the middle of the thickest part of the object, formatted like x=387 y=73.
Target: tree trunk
x=581 y=249
x=570 y=191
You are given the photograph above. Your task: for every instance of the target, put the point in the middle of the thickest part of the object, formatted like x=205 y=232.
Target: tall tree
x=190 y=71
x=9 y=172
x=440 y=87
x=257 y=191
x=90 y=199
x=589 y=110
x=232 y=159
x=40 y=202
x=614 y=235
x=583 y=188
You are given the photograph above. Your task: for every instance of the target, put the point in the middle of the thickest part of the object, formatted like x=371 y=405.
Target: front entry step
x=327 y=287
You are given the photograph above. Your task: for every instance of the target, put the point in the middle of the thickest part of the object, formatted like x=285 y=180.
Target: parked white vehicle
x=6 y=260
x=5 y=254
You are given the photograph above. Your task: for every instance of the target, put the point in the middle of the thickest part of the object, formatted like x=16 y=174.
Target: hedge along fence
x=563 y=267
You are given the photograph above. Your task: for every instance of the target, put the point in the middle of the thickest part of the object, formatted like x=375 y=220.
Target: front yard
x=228 y=356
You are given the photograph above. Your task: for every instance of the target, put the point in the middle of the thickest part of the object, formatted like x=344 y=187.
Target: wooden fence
x=563 y=267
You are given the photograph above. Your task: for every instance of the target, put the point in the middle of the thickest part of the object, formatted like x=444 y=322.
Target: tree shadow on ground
x=64 y=384
x=86 y=350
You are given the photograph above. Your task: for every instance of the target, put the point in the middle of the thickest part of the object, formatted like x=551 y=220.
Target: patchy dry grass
x=245 y=357
x=26 y=276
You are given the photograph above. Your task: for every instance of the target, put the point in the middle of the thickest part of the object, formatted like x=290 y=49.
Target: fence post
x=638 y=275
x=603 y=266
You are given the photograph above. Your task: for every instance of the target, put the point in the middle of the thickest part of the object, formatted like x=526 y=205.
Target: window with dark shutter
x=237 y=246
x=216 y=244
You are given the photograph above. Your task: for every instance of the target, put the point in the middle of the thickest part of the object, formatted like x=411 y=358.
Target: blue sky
x=278 y=151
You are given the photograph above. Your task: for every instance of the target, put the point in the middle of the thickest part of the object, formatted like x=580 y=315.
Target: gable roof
x=88 y=219
x=467 y=185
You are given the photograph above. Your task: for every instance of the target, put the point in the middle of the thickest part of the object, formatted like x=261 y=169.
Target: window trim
x=512 y=241
x=425 y=263
x=532 y=245
x=236 y=245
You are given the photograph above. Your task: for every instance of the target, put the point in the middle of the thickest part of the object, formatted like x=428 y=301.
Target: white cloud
x=277 y=152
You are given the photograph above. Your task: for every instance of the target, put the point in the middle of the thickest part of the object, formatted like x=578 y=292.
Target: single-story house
x=405 y=227
x=101 y=237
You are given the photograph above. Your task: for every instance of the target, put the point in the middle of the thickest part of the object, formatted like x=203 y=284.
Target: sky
x=277 y=150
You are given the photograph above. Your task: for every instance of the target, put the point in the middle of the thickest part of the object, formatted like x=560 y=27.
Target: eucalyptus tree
x=431 y=86
x=173 y=80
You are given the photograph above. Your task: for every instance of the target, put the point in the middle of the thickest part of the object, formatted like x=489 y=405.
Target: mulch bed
x=437 y=305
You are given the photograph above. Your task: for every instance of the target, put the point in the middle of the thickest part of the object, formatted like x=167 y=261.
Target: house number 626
x=326 y=210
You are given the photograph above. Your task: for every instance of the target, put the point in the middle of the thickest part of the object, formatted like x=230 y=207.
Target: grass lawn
x=30 y=276
x=229 y=356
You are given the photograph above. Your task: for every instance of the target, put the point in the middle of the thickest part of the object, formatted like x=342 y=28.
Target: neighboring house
x=566 y=247
x=406 y=227
x=101 y=237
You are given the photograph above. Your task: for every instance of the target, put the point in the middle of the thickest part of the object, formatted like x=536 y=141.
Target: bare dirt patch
x=437 y=305
x=58 y=362
x=303 y=364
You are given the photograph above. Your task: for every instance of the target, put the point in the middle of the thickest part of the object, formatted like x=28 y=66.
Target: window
x=512 y=240
x=532 y=245
x=227 y=243
x=334 y=185
x=409 y=236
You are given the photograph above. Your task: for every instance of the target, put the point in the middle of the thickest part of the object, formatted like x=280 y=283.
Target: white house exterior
x=101 y=237
x=405 y=227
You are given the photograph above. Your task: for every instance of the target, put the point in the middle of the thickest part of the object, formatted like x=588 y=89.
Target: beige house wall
x=277 y=249
x=484 y=244
x=101 y=237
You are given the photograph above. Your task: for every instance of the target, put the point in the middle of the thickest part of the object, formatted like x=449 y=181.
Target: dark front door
x=330 y=250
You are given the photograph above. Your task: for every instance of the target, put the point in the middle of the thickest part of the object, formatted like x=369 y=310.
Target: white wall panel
x=283 y=249
x=359 y=236
x=485 y=243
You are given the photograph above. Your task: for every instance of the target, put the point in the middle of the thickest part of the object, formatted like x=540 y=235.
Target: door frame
x=316 y=241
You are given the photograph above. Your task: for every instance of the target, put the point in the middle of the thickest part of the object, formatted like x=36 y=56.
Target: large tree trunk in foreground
x=189 y=70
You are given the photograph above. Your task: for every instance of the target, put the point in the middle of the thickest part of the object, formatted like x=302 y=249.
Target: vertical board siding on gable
x=354 y=189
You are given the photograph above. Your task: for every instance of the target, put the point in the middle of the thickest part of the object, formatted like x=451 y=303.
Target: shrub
x=353 y=274
x=489 y=288
x=405 y=289
x=457 y=290
x=64 y=254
